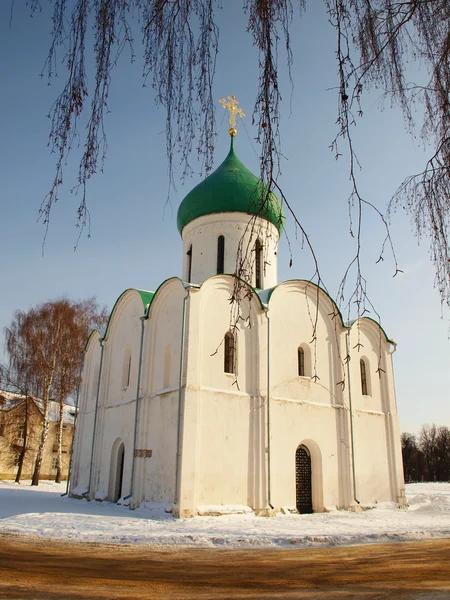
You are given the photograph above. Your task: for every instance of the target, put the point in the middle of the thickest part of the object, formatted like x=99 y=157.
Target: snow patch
x=100 y=495
x=78 y=492
x=42 y=512
x=223 y=509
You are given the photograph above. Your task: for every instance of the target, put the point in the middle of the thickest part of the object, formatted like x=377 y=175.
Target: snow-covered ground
x=41 y=511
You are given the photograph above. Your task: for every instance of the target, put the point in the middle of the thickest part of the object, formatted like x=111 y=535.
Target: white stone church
x=196 y=401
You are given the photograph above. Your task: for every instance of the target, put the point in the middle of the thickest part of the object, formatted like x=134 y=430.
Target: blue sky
x=134 y=240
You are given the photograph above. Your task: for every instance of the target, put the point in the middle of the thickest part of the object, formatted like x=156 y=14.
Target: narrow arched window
x=189 y=263
x=126 y=369
x=364 y=380
x=258 y=264
x=301 y=362
x=220 y=254
x=304 y=361
x=229 y=353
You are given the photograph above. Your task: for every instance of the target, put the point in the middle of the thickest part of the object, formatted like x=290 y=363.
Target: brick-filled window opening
x=229 y=353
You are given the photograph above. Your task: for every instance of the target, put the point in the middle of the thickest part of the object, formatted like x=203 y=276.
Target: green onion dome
x=231 y=188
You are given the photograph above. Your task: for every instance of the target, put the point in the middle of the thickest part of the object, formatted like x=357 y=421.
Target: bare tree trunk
x=44 y=434
x=24 y=447
x=59 y=441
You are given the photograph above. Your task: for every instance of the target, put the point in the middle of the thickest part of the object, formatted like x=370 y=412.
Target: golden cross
x=232 y=107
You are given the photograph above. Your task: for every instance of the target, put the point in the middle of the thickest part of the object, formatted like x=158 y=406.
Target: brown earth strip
x=35 y=569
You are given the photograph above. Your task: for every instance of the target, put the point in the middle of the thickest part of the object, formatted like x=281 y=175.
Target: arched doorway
x=119 y=472
x=303 y=483
x=116 y=470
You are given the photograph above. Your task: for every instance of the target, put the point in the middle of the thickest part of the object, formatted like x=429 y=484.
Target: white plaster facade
x=160 y=420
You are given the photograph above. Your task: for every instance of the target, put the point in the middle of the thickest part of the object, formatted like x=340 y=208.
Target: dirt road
x=41 y=569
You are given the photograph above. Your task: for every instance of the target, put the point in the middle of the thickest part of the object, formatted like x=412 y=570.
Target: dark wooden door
x=303 y=480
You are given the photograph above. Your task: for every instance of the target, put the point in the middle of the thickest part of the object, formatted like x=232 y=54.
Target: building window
x=229 y=353
x=365 y=389
x=126 y=369
x=304 y=361
x=301 y=362
x=54 y=463
x=258 y=264
x=21 y=434
x=2 y=429
x=220 y=254
x=189 y=263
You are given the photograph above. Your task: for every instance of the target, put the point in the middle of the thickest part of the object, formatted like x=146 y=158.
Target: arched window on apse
x=304 y=361
x=126 y=369
x=364 y=369
x=220 y=254
x=189 y=263
x=258 y=264
x=301 y=362
x=229 y=353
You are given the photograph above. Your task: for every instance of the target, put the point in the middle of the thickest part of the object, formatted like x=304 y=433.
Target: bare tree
x=50 y=336
x=80 y=318
x=428 y=446
x=19 y=377
x=376 y=40
x=410 y=457
x=443 y=453
x=426 y=456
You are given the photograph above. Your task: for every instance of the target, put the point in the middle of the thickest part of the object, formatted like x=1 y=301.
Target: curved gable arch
x=163 y=291
x=93 y=338
x=226 y=282
x=371 y=328
x=123 y=300
x=313 y=290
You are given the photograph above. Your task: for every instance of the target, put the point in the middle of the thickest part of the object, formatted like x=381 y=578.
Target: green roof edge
x=350 y=324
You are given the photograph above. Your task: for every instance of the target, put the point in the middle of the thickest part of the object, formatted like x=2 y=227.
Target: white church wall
x=162 y=343
x=216 y=439
x=122 y=342
x=158 y=433
x=365 y=344
x=211 y=306
x=239 y=230
x=223 y=449
x=117 y=424
x=85 y=417
x=158 y=410
x=292 y=424
x=378 y=461
x=371 y=458
x=305 y=411
x=292 y=313
x=393 y=427
x=115 y=416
